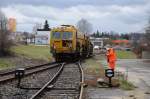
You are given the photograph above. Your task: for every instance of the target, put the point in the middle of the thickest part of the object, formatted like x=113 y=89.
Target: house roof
x=120 y=41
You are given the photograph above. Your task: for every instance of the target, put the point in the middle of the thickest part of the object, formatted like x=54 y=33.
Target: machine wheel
x=57 y=58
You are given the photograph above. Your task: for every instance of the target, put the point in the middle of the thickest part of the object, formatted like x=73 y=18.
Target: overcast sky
x=105 y=15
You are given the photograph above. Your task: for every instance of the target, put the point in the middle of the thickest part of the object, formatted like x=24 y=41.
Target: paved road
x=138 y=71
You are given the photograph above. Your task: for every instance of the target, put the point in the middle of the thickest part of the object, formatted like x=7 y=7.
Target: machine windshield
x=56 y=35
x=67 y=35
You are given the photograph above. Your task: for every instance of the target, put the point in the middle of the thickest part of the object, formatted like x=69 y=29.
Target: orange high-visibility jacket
x=111 y=57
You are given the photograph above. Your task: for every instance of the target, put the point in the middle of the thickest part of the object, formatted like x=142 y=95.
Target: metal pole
x=19 y=81
x=110 y=84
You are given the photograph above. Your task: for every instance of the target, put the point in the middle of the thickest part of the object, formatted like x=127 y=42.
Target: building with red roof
x=120 y=42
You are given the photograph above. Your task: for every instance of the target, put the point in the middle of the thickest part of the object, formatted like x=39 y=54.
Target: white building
x=98 y=41
x=98 y=44
x=42 y=38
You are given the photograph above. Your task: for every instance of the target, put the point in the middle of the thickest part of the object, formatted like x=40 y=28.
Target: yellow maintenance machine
x=67 y=42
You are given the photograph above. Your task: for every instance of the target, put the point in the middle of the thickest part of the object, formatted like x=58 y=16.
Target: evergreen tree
x=46 y=25
x=97 y=34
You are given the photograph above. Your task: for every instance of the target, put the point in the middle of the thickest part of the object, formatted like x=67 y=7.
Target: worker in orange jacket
x=111 y=58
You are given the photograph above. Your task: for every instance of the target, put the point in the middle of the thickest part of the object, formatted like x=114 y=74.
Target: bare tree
x=36 y=27
x=84 y=26
x=147 y=36
x=5 y=41
x=3 y=21
x=141 y=42
x=148 y=31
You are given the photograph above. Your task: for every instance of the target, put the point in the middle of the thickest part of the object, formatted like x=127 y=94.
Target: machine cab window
x=56 y=35
x=67 y=36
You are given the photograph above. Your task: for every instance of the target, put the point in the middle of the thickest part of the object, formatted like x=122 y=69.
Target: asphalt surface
x=137 y=71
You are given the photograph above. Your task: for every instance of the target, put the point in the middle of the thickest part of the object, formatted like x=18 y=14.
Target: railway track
x=67 y=83
x=10 y=75
x=29 y=83
x=54 y=81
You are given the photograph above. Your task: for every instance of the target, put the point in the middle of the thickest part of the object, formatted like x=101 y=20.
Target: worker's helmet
x=107 y=48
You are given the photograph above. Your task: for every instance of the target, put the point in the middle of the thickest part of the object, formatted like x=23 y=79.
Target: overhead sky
x=105 y=15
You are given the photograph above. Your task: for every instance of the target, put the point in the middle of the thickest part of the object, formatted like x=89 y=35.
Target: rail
x=82 y=81
x=29 y=71
x=48 y=83
x=7 y=72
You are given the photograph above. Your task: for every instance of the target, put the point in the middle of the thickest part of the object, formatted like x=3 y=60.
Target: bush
x=5 y=42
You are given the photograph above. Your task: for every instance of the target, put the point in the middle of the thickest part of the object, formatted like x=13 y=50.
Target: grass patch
x=4 y=63
x=94 y=66
x=125 y=55
x=27 y=54
x=125 y=85
x=33 y=52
